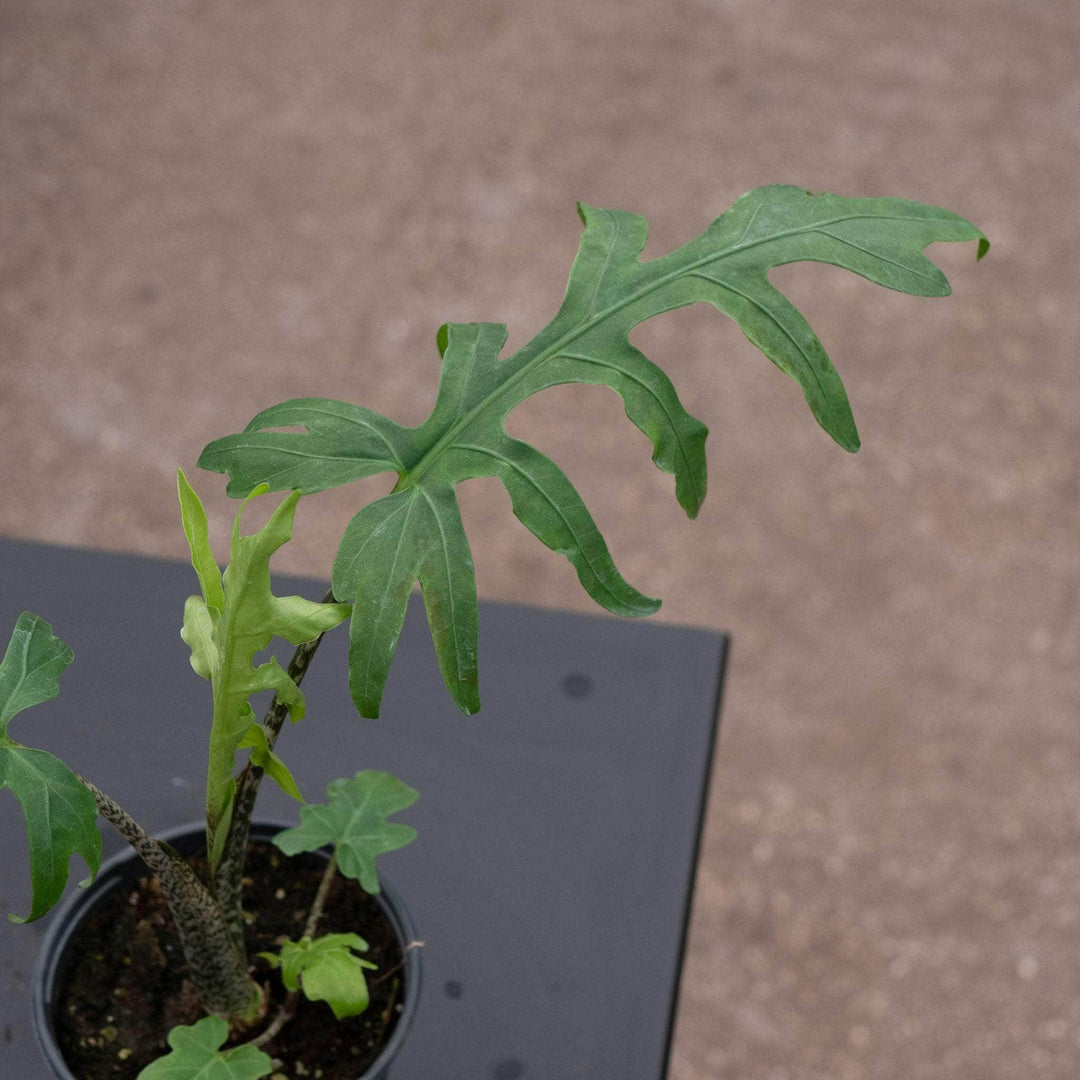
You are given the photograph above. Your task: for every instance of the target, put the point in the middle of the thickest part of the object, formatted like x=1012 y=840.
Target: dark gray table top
x=558 y=827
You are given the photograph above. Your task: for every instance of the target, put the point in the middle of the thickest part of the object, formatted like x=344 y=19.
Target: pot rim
x=72 y=910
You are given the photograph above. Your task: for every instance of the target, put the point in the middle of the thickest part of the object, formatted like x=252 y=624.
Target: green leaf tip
x=415 y=533
x=354 y=821
x=193 y=518
x=195 y=1054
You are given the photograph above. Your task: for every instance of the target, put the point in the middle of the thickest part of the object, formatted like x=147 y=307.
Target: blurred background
x=206 y=208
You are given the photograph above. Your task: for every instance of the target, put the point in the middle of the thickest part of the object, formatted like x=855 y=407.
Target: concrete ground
x=206 y=208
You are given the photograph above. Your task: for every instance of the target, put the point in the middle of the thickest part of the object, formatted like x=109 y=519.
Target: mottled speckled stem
x=218 y=970
x=228 y=879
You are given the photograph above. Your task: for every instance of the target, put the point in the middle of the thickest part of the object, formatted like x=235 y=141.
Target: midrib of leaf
x=754 y=302
x=25 y=674
x=663 y=406
x=372 y=428
x=413 y=476
x=322 y=455
x=866 y=251
x=223 y=733
x=390 y=577
x=445 y=549
x=558 y=509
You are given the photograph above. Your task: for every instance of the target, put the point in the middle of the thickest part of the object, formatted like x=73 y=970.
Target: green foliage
x=416 y=533
x=268 y=761
x=30 y=671
x=235 y=618
x=326 y=970
x=354 y=822
x=59 y=811
x=196 y=1054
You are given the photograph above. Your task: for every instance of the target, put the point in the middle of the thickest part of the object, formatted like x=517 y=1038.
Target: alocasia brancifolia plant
x=415 y=533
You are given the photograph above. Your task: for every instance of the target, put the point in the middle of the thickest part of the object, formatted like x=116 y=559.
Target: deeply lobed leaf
x=415 y=533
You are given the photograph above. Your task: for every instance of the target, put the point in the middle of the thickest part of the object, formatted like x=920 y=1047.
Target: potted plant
x=236 y=1012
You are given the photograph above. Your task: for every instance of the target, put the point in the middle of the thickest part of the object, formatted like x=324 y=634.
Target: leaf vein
x=449 y=581
x=600 y=579
x=750 y=299
x=680 y=442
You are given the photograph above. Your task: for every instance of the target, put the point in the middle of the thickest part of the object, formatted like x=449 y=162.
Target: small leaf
x=196 y=1054
x=326 y=970
x=61 y=819
x=268 y=761
x=354 y=821
x=30 y=670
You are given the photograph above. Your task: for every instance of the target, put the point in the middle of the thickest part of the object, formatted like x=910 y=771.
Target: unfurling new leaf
x=354 y=822
x=235 y=618
x=326 y=969
x=416 y=534
x=60 y=812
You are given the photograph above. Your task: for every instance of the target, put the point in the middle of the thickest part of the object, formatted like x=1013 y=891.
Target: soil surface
x=128 y=985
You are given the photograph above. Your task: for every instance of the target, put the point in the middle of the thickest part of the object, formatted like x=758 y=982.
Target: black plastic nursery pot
x=558 y=827
x=104 y=959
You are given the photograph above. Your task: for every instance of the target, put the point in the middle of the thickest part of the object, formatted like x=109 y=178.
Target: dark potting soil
x=128 y=985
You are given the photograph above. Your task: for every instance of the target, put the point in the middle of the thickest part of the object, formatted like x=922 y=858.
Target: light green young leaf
x=193 y=517
x=354 y=822
x=415 y=533
x=225 y=641
x=59 y=811
x=326 y=970
x=196 y=1054
x=268 y=761
x=198 y=634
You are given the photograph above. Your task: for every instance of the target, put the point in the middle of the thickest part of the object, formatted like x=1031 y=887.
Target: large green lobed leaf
x=59 y=811
x=415 y=533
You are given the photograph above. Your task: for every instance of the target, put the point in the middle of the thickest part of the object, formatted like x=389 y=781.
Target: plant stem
x=228 y=879
x=288 y=1006
x=218 y=969
x=317 y=905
